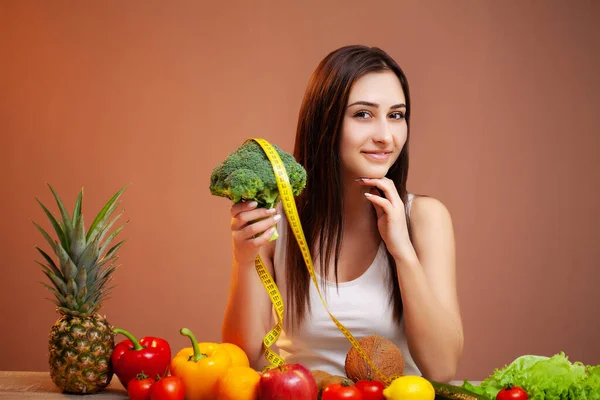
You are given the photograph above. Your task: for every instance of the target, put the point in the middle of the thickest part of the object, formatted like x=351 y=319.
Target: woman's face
x=374 y=129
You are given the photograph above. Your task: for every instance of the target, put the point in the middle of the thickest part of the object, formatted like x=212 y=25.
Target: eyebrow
x=374 y=105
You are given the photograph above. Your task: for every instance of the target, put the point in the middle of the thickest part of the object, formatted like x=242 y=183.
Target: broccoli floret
x=247 y=174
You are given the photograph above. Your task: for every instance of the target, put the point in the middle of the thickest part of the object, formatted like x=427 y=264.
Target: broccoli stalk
x=247 y=174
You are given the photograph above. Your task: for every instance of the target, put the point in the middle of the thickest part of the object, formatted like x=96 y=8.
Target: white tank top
x=361 y=305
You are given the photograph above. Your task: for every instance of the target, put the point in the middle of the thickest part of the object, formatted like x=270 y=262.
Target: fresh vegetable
x=287 y=381
x=370 y=389
x=409 y=387
x=140 y=387
x=544 y=378
x=341 y=391
x=452 y=392
x=200 y=367
x=335 y=379
x=168 y=388
x=511 y=392
x=247 y=174
x=81 y=340
x=150 y=355
x=239 y=358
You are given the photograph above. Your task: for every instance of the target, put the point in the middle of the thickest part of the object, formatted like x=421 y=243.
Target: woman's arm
x=426 y=273
x=248 y=314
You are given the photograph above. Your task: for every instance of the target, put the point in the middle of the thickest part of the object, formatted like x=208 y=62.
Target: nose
x=383 y=132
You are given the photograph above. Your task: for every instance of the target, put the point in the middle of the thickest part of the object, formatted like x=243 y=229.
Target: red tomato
x=168 y=388
x=139 y=388
x=512 y=393
x=371 y=390
x=338 y=391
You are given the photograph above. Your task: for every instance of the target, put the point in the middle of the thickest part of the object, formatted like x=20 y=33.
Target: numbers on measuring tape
x=289 y=206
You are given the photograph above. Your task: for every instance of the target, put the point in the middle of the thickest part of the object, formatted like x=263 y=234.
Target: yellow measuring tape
x=289 y=205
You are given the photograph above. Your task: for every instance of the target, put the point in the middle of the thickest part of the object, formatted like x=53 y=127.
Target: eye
x=397 y=115
x=362 y=115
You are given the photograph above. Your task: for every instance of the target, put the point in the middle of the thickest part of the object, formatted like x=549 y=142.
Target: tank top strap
x=409 y=200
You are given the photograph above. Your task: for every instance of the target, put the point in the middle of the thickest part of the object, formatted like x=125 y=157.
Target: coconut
x=386 y=357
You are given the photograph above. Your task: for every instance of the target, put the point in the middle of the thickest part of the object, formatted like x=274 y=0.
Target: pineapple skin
x=80 y=348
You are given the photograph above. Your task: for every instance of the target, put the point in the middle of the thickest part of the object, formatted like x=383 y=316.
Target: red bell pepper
x=150 y=356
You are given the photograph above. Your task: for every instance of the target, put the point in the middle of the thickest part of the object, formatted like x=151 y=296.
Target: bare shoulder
x=427 y=210
x=432 y=231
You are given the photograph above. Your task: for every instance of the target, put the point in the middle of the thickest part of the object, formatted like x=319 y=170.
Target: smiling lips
x=377 y=155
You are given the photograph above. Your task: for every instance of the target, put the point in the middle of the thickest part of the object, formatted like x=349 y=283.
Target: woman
x=385 y=258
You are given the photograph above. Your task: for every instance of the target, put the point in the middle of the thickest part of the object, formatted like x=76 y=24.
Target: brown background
x=505 y=132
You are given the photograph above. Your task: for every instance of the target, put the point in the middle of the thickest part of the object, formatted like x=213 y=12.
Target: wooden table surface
x=38 y=385
x=16 y=385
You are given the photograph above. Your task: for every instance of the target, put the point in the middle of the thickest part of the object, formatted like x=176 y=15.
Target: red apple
x=288 y=381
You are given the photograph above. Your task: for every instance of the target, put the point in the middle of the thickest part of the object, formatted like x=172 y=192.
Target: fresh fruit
x=409 y=387
x=371 y=390
x=511 y=392
x=149 y=355
x=386 y=357
x=168 y=388
x=200 y=367
x=238 y=383
x=238 y=356
x=288 y=381
x=81 y=341
x=320 y=377
x=341 y=391
x=140 y=387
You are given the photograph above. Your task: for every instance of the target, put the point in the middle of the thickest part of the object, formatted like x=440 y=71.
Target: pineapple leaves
x=92 y=274
x=104 y=214
x=90 y=255
x=50 y=261
x=82 y=271
x=78 y=240
x=46 y=236
x=71 y=288
x=66 y=220
x=59 y=297
x=102 y=279
x=64 y=240
x=77 y=210
x=81 y=278
x=113 y=249
x=109 y=239
x=58 y=283
x=69 y=269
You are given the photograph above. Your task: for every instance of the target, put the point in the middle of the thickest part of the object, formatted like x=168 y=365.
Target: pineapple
x=81 y=341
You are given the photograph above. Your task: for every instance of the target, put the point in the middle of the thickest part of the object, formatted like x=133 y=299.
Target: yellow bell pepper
x=200 y=367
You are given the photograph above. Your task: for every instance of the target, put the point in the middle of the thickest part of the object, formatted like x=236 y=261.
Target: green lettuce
x=544 y=378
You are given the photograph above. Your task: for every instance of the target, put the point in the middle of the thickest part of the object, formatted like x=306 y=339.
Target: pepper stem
x=136 y=344
x=197 y=354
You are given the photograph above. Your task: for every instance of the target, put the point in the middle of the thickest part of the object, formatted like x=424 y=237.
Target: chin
x=375 y=173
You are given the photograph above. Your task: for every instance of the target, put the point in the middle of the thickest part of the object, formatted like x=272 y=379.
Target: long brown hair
x=317 y=143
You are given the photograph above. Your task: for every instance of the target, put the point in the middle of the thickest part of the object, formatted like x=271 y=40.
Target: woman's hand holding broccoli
x=251 y=228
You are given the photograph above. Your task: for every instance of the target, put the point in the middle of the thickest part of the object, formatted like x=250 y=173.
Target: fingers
x=237 y=208
x=380 y=203
x=261 y=239
x=245 y=217
x=251 y=230
x=386 y=185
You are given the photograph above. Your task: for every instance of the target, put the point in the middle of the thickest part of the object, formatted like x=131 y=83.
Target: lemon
x=409 y=387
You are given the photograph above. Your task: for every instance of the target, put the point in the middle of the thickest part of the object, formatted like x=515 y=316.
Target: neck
x=359 y=214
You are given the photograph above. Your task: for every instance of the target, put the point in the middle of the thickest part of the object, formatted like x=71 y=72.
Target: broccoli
x=247 y=174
